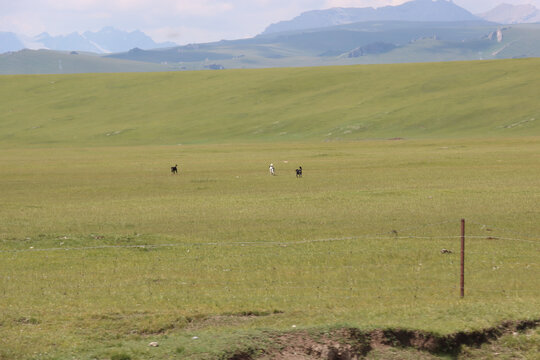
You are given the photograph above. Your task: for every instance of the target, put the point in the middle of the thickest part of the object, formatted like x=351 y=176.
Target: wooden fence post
x=462 y=278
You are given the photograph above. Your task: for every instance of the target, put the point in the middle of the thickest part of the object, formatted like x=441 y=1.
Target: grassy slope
x=460 y=99
x=58 y=62
x=330 y=46
x=315 y=47
x=314 y=42
x=519 y=41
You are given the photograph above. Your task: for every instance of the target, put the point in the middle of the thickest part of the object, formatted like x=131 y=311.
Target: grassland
x=64 y=62
x=233 y=241
x=102 y=251
x=448 y=100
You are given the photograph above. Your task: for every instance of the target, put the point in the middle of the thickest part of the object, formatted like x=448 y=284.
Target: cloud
x=477 y=6
x=198 y=7
x=184 y=34
x=27 y=23
x=363 y=3
x=203 y=7
x=190 y=20
x=67 y=5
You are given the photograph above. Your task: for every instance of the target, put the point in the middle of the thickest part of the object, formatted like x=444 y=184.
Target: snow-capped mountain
x=512 y=14
x=107 y=40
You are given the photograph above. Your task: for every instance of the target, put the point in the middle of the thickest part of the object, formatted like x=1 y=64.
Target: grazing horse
x=299 y=172
x=174 y=169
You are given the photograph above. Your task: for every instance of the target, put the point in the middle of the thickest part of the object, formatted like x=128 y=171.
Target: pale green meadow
x=104 y=250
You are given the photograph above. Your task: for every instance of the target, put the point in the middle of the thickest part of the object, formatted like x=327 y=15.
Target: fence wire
x=266 y=243
x=408 y=258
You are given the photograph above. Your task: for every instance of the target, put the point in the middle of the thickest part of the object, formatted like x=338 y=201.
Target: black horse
x=174 y=169
x=299 y=172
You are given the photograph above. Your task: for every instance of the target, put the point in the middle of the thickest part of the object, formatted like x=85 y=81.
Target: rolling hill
x=442 y=100
x=417 y=31
x=58 y=62
x=358 y=43
x=416 y=11
x=512 y=14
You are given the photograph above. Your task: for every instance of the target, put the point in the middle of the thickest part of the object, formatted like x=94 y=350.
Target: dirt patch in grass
x=200 y=322
x=352 y=344
x=146 y=324
x=341 y=344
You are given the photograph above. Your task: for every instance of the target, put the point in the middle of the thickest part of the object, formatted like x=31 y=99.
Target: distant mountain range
x=318 y=38
x=512 y=14
x=358 y=43
x=10 y=42
x=417 y=10
x=107 y=40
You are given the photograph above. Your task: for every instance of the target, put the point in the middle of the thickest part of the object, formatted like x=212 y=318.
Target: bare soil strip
x=352 y=343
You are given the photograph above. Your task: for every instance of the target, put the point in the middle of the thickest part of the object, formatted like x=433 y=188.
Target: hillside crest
x=416 y=10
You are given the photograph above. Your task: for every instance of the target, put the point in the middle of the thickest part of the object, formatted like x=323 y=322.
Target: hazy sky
x=181 y=21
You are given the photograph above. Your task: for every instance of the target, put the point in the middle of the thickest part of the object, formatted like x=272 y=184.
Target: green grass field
x=444 y=100
x=235 y=239
x=102 y=251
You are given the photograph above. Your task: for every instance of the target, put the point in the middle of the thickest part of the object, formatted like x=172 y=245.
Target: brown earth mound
x=353 y=344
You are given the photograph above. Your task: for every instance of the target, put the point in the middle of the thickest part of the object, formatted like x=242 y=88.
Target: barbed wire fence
x=478 y=232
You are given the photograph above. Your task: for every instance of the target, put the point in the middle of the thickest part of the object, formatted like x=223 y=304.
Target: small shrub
x=120 y=357
x=28 y=320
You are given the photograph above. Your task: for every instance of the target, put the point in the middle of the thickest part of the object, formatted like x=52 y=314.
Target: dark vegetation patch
x=160 y=330
x=246 y=354
x=121 y=357
x=371 y=49
x=202 y=321
x=352 y=343
x=174 y=55
x=255 y=313
x=202 y=181
x=145 y=324
x=27 y=321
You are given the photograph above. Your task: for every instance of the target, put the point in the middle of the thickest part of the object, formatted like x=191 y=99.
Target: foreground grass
x=355 y=242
